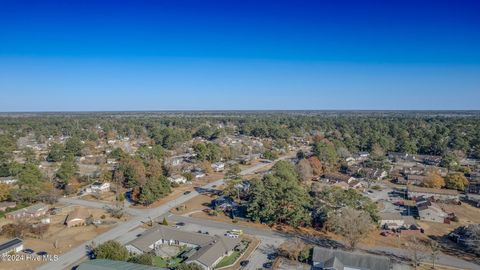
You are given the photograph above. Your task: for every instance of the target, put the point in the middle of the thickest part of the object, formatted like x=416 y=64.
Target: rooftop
x=8 y=245
x=432 y=190
x=340 y=260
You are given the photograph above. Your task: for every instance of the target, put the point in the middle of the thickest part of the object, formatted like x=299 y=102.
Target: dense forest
x=414 y=132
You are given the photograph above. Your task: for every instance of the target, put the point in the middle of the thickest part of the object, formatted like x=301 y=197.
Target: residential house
x=335 y=259
x=434 y=193
x=5 y=205
x=396 y=156
x=428 y=159
x=209 y=250
x=32 y=211
x=223 y=202
x=218 y=166
x=474 y=183
x=198 y=174
x=77 y=217
x=178 y=179
x=8 y=180
x=432 y=212
x=103 y=264
x=98 y=187
x=11 y=246
x=362 y=155
x=415 y=179
x=243 y=186
x=393 y=220
x=337 y=177
x=374 y=174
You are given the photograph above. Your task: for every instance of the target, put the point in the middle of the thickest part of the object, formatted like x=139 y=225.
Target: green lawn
x=165 y=263
x=229 y=260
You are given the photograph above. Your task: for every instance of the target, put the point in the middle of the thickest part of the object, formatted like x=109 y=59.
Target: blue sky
x=194 y=55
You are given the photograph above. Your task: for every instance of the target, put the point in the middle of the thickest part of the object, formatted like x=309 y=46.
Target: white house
x=15 y=245
x=98 y=187
x=218 y=167
x=179 y=179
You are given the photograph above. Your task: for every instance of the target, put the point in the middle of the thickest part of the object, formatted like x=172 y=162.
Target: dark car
x=28 y=251
x=244 y=263
x=42 y=253
x=272 y=256
x=180 y=224
x=187 y=192
x=267 y=265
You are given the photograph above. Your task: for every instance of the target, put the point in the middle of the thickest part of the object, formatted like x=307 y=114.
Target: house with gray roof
x=335 y=259
x=32 y=211
x=209 y=250
x=15 y=245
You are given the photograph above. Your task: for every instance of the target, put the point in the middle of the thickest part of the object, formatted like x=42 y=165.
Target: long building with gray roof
x=209 y=249
x=335 y=259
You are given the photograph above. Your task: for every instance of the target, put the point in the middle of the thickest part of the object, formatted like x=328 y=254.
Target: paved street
x=128 y=230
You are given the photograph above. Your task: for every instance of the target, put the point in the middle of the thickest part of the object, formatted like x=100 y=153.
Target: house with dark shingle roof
x=335 y=259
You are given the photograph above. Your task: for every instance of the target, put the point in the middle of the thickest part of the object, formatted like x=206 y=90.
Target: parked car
x=272 y=256
x=187 y=192
x=180 y=224
x=28 y=251
x=267 y=265
x=244 y=263
x=231 y=235
x=42 y=253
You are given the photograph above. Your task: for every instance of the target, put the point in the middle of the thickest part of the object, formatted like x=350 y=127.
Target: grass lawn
x=165 y=263
x=229 y=260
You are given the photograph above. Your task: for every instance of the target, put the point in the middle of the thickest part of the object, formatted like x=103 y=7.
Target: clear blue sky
x=174 y=55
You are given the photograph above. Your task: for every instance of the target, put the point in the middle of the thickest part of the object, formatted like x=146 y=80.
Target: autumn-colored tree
x=304 y=170
x=456 y=181
x=154 y=168
x=316 y=165
x=134 y=172
x=206 y=166
x=434 y=180
x=4 y=192
x=292 y=249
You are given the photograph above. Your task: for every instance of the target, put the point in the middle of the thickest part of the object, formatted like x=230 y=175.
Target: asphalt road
x=128 y=230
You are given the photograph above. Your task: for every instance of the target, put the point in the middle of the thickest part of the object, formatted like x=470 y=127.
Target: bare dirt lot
x=59 y=239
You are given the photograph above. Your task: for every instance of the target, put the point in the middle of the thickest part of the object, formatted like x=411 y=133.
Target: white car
x=230 y=235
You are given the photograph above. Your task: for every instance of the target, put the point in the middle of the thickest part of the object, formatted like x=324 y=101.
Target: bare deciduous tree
x=417 y=249
x=351 y=224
